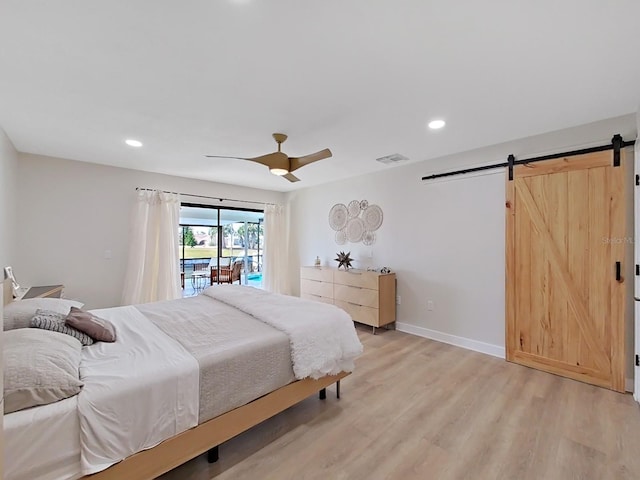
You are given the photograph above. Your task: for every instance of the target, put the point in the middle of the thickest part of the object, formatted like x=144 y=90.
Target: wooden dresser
x=369 y=297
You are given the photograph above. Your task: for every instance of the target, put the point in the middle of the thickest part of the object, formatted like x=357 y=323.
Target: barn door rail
x=617 y=143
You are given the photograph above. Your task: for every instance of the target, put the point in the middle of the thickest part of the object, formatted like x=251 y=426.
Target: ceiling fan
x=280 y=163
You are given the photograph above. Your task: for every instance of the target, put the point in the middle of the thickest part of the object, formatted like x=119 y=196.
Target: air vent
x=389 y=159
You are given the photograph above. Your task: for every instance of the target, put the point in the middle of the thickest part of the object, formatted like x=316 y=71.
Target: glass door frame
x=220 y=234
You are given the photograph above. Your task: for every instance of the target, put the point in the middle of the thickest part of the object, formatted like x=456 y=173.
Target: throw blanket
x=322 y=337
x=137 y=391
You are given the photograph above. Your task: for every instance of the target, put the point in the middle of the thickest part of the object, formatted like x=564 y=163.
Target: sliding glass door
x=220 y=246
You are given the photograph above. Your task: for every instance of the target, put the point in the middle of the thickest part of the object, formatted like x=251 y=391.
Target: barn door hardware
x=637 y=270
x=617 y=143
x=510 y=160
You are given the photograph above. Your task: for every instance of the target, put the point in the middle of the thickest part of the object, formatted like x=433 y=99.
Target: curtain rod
x=205 y=196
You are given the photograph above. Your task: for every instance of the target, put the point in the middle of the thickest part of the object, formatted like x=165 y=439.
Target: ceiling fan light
x=279 y=171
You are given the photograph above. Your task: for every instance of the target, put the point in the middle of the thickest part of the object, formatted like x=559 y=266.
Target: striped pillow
x=54 y=321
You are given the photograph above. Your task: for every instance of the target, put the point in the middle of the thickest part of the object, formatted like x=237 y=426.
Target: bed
x=183 y=377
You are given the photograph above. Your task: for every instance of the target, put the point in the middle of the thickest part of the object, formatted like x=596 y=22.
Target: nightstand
x=46 y=291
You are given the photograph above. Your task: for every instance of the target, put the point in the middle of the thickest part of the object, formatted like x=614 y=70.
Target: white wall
x=8 y=215
x=71 y=212
x=444 y=239
x=8 y=180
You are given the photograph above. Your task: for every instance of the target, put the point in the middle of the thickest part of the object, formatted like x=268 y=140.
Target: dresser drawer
x=358 y=295
x=317 y=273
x=359 y=313
x=315 y=287
x=316 y=298
x=361 y=278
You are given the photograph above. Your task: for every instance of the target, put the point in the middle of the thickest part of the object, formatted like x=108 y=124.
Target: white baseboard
x=469 y=344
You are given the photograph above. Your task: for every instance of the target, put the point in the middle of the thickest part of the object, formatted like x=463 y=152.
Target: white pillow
x=18 y=314
x=40 y=367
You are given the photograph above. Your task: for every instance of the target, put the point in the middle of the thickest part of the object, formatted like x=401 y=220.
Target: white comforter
x=137 y=392
x=144 y=388
x=323 y=338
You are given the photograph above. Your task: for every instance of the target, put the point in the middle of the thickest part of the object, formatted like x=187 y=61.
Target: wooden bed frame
x=181 y=448
x=177 y=450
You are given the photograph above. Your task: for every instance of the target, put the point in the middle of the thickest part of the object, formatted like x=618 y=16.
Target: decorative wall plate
x=354 y=208
x=372 y=217
x=355 y=229
x=355 y=222
x=338 y=216
x=369 y=238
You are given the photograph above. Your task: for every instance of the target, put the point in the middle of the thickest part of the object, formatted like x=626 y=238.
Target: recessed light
x=436 y=124
x=133 y=143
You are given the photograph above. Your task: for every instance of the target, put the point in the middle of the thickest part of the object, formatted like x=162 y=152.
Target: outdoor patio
x=194 y=285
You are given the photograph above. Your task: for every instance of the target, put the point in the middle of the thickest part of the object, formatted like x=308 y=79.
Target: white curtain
x=276 y=249
x=152 y=271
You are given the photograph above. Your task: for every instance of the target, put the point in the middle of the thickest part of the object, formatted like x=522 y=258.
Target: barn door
x=565 y=257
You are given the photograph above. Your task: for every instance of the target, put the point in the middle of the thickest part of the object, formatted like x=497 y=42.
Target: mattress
x=240 y=358
x=43 y=442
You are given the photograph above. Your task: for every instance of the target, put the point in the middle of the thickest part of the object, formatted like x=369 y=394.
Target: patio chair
x=236 y=271
x=199 y=267
x=224 y=275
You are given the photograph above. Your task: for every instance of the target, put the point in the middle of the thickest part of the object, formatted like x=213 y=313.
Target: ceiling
x=360 y=77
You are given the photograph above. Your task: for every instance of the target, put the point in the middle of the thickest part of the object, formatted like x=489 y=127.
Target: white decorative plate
x=369 y=238
x=355 y=229
x=372 y=217
x=338 y=216
x=354 y=208
x=341 y=237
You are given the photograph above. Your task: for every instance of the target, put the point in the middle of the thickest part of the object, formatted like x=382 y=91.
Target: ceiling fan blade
x=226 y=156
x=291 y=177
x=297 y=162
x=269 y=159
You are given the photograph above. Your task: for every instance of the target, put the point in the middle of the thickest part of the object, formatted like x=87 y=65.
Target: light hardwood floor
x=419 y=409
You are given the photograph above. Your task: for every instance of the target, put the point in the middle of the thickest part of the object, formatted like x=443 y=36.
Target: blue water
x=254 y=276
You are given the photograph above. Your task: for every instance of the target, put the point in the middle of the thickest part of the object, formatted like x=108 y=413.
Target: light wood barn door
x=565 y=233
